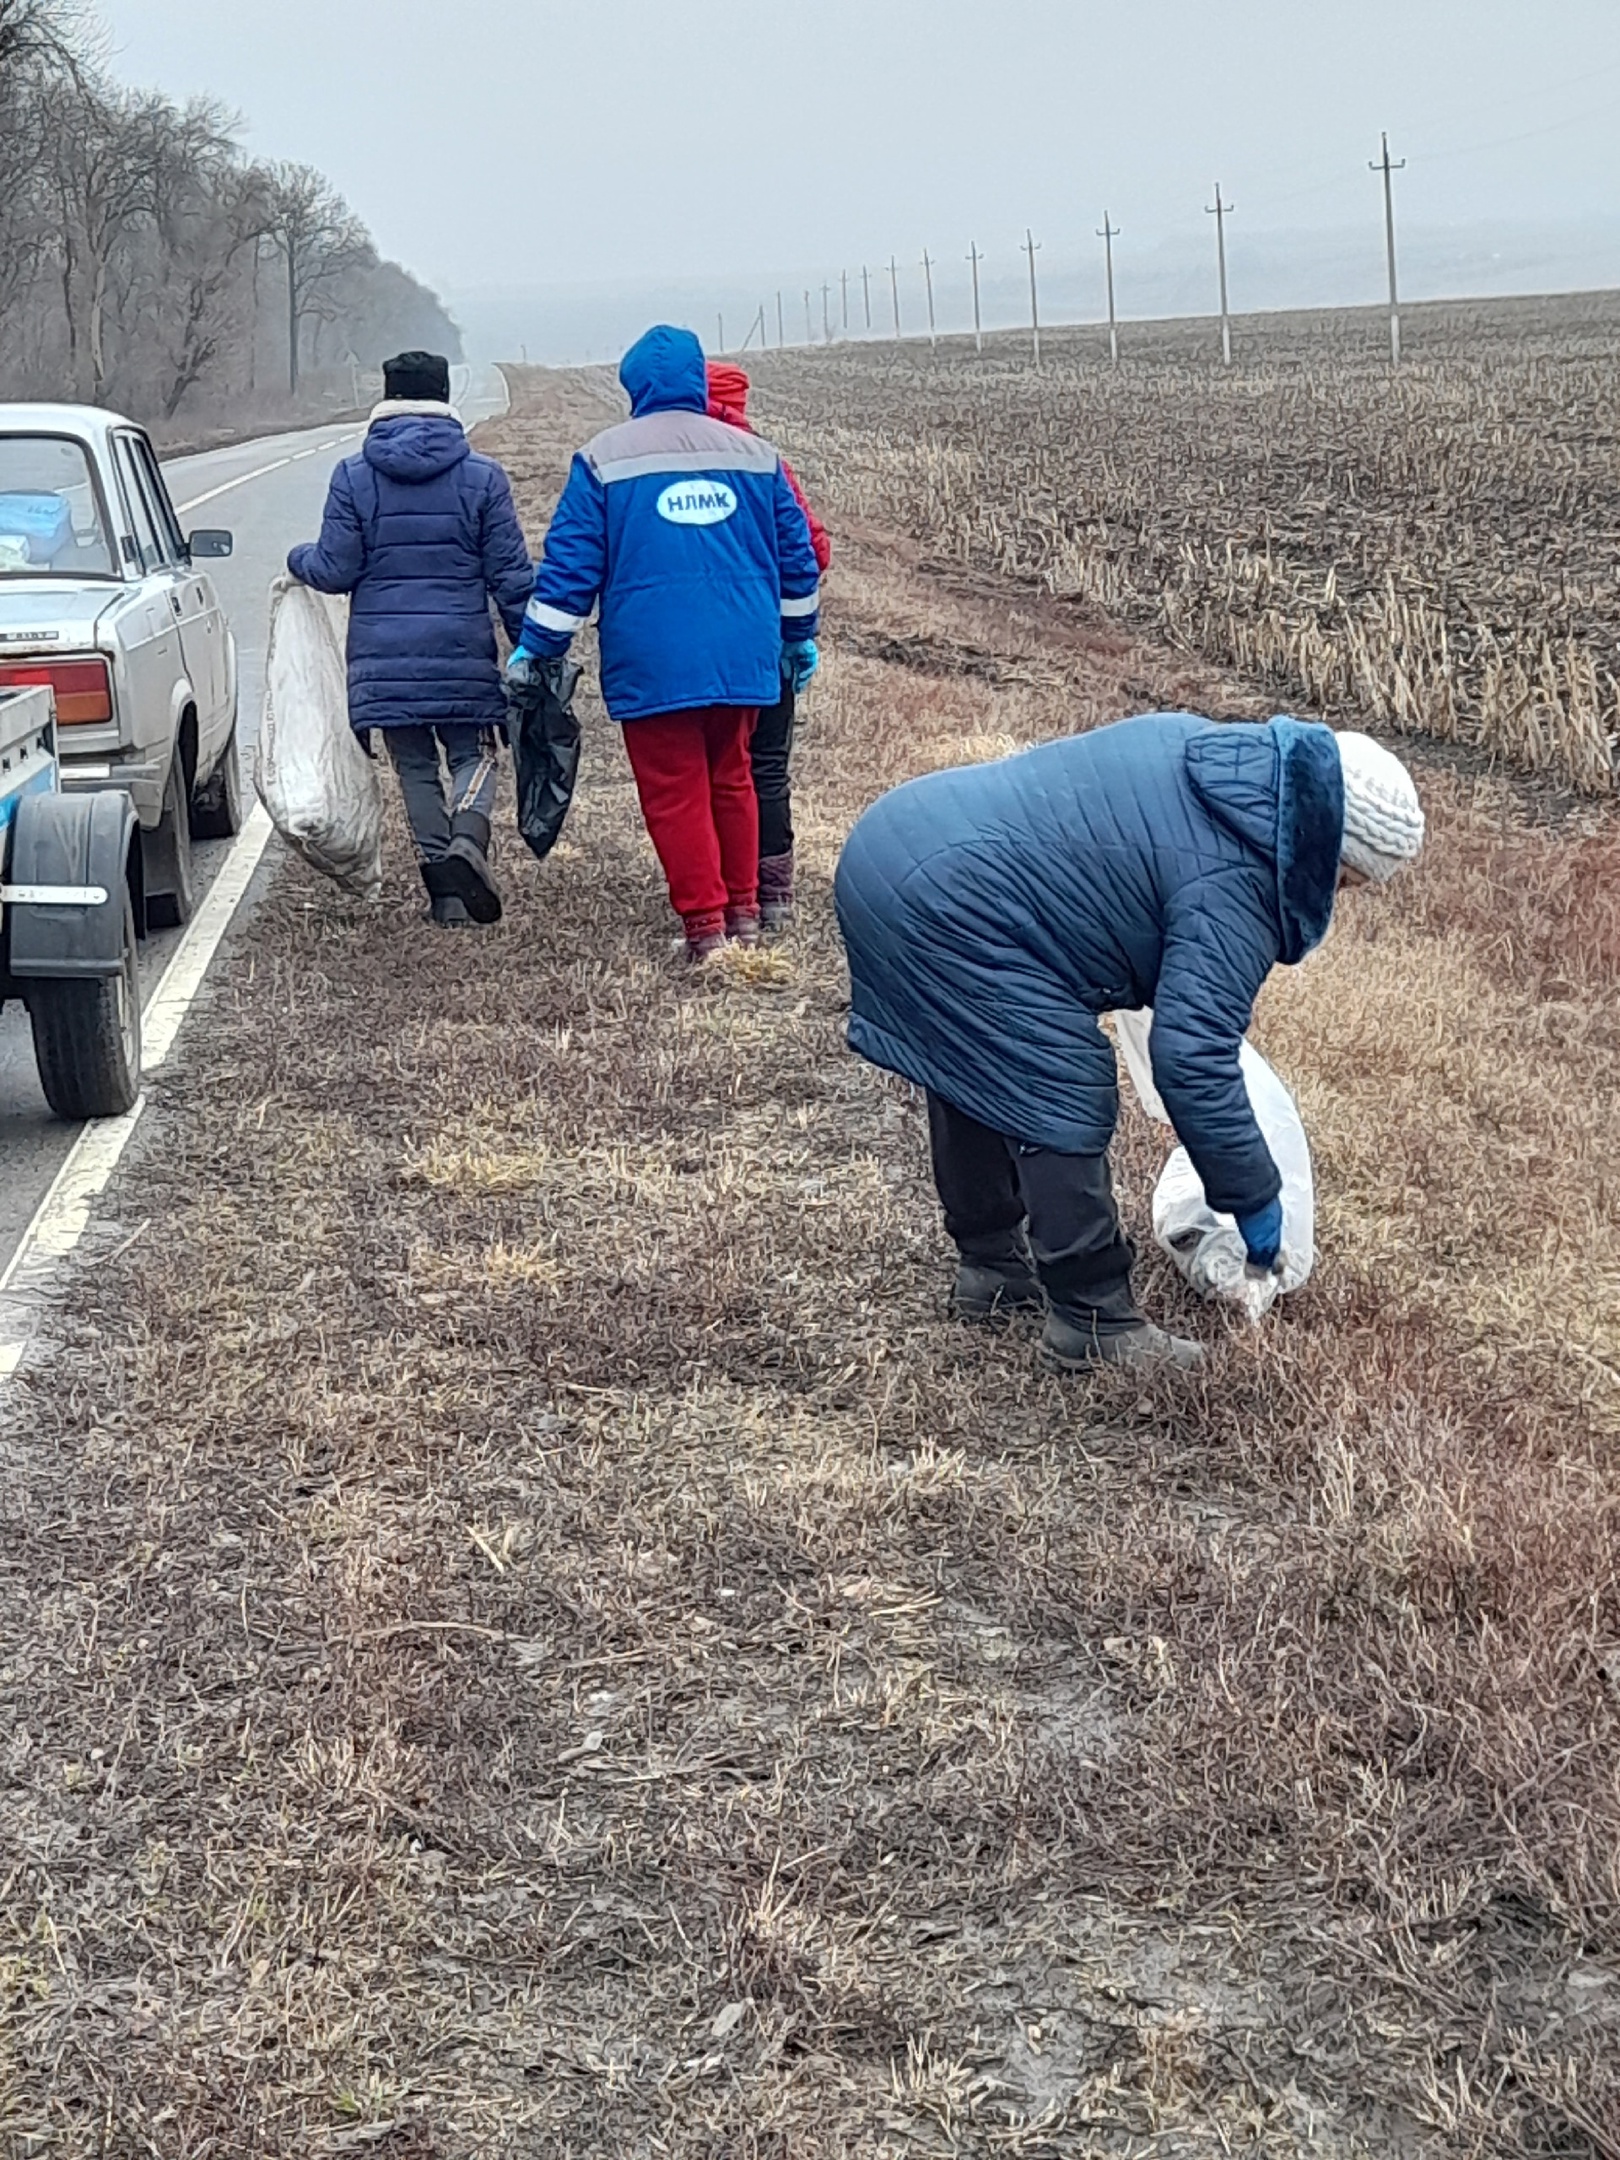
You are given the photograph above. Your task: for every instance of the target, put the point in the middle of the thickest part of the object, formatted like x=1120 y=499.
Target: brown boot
x=776 y=893
x=705 y=936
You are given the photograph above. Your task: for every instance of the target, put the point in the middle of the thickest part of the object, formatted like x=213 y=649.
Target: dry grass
x=1433 y=551
x=526 y=1632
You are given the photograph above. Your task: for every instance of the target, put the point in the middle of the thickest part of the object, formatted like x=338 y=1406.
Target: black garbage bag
x=544 y=735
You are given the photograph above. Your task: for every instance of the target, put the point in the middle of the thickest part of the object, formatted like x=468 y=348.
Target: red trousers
x=697 y=796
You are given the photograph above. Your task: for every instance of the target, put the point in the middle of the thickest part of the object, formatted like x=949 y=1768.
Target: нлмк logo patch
x=697 y=502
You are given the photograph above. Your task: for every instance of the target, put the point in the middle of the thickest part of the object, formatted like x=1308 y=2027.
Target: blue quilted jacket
x=421 y=532
x=690 y=537
x=992 y=912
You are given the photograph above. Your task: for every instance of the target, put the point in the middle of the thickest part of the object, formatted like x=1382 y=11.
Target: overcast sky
x=527 y=141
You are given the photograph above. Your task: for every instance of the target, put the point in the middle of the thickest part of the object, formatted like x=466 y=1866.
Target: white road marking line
x=225 y=486
x=61 y=1217
x=183 y=977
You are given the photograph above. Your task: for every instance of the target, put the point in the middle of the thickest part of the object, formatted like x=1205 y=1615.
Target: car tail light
x=83 y=687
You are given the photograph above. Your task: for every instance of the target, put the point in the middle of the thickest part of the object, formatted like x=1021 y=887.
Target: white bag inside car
x=1206 y=1247
x=317 y=783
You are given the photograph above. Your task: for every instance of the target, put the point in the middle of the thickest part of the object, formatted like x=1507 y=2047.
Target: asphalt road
x=268 y=493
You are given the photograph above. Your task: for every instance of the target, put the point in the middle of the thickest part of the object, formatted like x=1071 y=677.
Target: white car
x=101 y=600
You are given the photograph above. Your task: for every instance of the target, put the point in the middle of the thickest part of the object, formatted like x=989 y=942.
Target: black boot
x=1079 y=1342
x=444 y=907
x=466 y=868
x=993 y=1286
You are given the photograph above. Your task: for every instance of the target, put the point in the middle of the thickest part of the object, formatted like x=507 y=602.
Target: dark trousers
x=991 y=1186
x=772 y=752
x=472 y=759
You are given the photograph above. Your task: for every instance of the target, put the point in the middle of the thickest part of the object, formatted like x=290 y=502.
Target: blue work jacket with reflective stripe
x=687 y=534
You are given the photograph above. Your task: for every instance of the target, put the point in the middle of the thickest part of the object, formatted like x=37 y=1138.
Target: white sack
x=313 y=777
x=1206 y=1247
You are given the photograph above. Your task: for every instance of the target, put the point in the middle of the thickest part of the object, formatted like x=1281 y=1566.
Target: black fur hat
x=417 y=375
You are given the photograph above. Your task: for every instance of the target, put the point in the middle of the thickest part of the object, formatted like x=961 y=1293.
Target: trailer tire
x=87 y=1035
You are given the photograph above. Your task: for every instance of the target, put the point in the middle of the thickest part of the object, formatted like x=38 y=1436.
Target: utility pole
x=1032 y=249
x=720 y=348
x=826 y=314
x=928 y=277
x=809 y=324
x=866 y=289
x=894 y=286
x=843 y=280
x=1108 y=235
x=1388 y=170
x=1220 y=211
x=781 y=324
x=975 y=258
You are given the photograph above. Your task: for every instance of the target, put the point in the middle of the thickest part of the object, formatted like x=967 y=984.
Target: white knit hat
x=1383 y=819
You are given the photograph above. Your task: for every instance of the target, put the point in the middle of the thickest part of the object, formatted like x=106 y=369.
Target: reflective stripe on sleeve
x=552 y=618
x=793 y=608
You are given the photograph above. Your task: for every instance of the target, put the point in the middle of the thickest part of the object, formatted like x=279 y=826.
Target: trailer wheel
x=87 y=1035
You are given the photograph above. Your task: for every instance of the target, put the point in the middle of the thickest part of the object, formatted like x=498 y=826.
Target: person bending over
x=993 y=912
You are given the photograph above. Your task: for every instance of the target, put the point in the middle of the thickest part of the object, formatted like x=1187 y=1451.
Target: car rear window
x=50 y=510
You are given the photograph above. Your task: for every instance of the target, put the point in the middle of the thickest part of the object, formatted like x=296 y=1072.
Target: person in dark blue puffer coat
x=993 y=912
x=422 y=533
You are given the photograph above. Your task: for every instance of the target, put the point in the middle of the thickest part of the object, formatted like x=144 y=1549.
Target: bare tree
x=208 y=211
x=32 y=30
x=320 y=240
x=33 y=44
x=105 y=150
x=132 y=232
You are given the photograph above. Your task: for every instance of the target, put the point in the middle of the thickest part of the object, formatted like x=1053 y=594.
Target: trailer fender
x=74 y=841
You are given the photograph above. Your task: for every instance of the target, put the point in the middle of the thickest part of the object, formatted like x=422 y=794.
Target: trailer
x=70 y=893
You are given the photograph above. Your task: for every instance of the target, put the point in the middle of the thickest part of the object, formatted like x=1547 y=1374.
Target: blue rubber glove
x=1262 y=1236
x=522 y=667
x=799 y=663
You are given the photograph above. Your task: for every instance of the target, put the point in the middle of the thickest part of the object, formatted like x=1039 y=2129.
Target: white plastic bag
x=1206 y=1247
x=316 y=782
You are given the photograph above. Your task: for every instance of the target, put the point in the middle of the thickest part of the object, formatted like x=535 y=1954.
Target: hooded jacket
x=687 y=533
x=728 y=401
x=421 y=532
x=992 y=912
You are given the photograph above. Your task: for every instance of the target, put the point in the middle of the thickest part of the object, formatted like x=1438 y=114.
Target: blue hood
x=663 y=372
x=415 y=447
x=1280 y=788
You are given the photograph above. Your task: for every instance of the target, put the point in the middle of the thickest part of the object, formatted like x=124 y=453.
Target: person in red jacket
x=772 y=749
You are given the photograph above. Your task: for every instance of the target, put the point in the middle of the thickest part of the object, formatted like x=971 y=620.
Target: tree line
x=147 y=263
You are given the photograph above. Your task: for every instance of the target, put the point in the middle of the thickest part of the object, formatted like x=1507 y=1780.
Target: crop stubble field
x=524 y=1630
x=1438 y=550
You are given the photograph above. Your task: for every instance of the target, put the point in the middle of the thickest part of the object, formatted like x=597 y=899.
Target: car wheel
x=169 y=890
x=87 y=1036
x=216 y=808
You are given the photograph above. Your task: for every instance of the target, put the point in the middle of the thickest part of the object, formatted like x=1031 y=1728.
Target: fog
x=558 y=172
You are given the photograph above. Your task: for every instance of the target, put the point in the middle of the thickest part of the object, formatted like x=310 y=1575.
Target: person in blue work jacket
x=993 y=912
x=688 y=534
x=421 y=533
